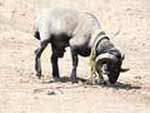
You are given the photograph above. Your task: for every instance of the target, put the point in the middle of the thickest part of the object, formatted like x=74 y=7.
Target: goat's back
x=65 y=20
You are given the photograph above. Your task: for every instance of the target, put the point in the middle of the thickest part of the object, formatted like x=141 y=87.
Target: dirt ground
x=22 y=92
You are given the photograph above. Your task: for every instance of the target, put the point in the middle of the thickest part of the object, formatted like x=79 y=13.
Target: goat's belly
x=84 y=51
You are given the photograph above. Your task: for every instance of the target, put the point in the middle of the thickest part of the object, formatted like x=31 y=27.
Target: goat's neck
x=104 y=46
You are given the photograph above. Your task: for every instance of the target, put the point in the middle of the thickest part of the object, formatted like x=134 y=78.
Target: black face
x=113 y=69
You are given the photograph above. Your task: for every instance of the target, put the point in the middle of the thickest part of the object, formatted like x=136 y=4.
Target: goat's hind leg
x=75 y=61
x=38 y=53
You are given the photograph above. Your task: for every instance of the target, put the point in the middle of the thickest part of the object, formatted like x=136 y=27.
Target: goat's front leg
x=38 y=53
x=98 y=73
x=92 y=67
x=92 y=73
x=75 y=64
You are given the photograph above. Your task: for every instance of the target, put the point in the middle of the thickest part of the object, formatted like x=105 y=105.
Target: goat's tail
x=37 y=35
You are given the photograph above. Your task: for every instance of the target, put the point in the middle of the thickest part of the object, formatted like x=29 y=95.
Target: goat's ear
x=124 y=69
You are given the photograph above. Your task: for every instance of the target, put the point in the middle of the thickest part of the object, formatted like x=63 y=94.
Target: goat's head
x=113 y=60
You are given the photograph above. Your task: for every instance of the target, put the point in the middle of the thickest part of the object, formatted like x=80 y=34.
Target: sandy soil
x=22 y=92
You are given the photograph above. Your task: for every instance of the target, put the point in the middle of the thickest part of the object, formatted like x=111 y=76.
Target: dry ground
x=22 y=92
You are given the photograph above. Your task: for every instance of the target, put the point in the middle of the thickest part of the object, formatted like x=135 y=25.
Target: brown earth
x=22 y=92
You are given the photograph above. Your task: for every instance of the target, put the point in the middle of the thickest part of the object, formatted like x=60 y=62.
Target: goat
x=63 y=27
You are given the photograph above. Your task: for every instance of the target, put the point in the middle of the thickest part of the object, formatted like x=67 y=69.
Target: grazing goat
x=64 y=27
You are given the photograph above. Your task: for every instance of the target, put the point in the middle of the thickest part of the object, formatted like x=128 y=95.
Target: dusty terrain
x=22 y=92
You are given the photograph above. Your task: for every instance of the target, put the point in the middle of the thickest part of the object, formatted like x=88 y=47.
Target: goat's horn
x=106 y=57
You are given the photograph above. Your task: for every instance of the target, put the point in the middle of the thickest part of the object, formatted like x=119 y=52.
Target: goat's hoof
x=56 y=79
x=74 y=80
x=39 y=75
x=101 y=82
x=89 y=82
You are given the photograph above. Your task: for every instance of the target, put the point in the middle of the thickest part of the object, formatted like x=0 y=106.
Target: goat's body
x=76 y=26
x=66 y=27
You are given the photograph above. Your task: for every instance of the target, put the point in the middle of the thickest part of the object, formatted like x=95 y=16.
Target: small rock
x=138 y=77
x=51 y=93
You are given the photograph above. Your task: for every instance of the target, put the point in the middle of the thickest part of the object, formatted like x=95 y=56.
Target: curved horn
x=106 y=57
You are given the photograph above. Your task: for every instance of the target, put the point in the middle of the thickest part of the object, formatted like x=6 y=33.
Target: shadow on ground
x=118 y=85
x=125 y=86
